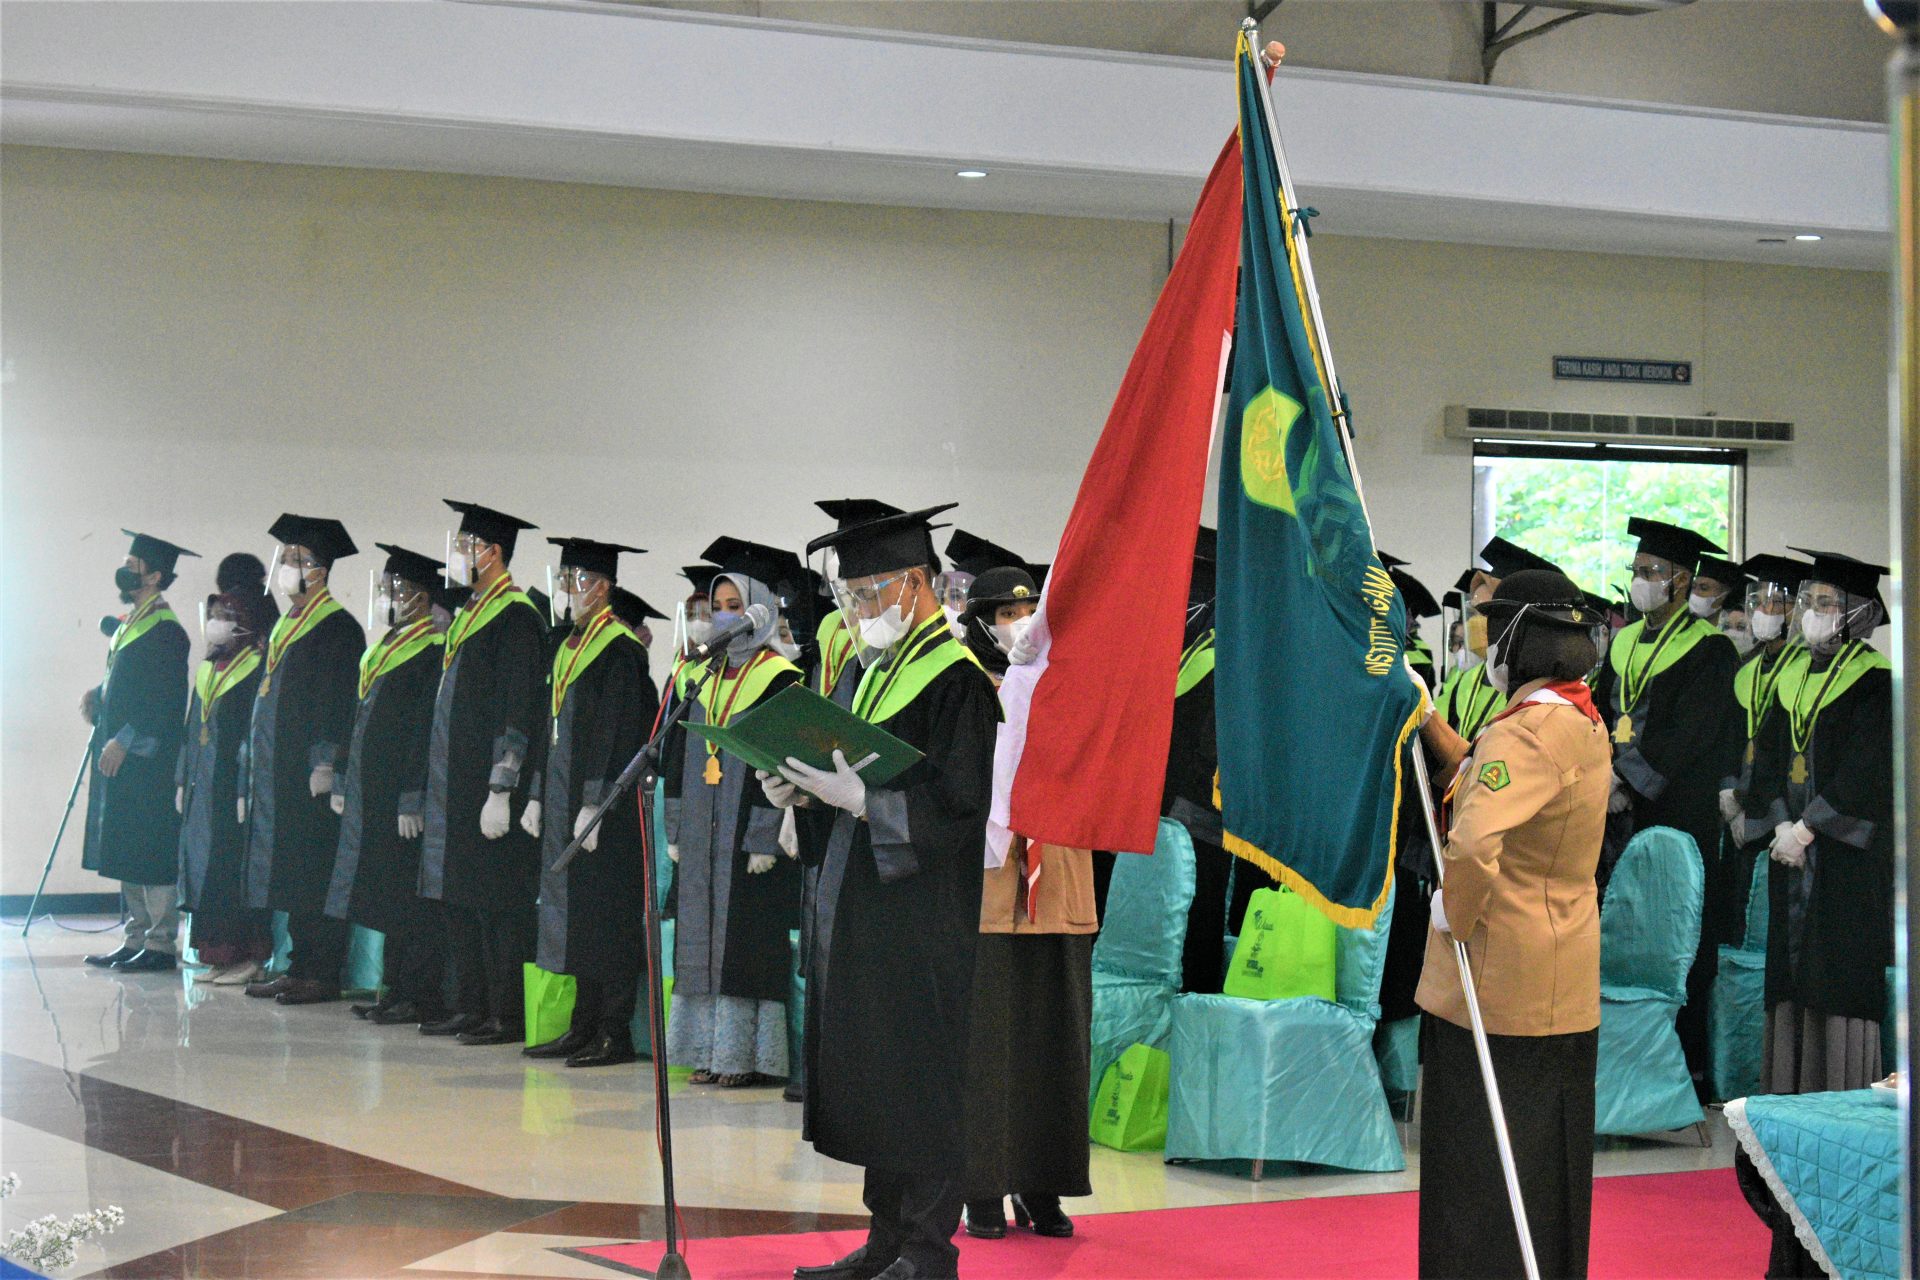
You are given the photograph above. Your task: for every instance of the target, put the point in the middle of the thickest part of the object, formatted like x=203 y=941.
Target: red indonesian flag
x=1082 y=755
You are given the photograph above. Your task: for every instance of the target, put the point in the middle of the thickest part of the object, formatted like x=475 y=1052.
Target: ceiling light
x=1806 y=235
x=981 y=173
x=1773 y=240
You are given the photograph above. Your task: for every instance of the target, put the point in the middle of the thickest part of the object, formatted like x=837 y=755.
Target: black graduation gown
x=301 y=720
x=212 y=842
x=1755 y=782
x=593 y=909
x=1830 y=925
x=376 y=874
x=730 y=928
x=887 y=1002
x=133 y=833
x=486 y=718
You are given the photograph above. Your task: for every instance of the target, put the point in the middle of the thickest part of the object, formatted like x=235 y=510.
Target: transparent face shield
x=692 y=624
x=463 y=558
x=218 y=627
x=392 y=601
x=294 y=572
x=952 y=587
x=1830 y=617
x=877 y=610
x=1473 y=621
x=1652 y=584
x=577 y=592
x=1770 y=611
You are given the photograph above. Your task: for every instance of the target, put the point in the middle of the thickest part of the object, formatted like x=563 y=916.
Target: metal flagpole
x=1903 y=119
x=1482 y=1049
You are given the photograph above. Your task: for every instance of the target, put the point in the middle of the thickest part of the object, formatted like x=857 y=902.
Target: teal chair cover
x=1737 y=1009
x=1396 y=1047
x=1293 y=1080
x=1136 y=958
x=1649 y=930
x=362 y=971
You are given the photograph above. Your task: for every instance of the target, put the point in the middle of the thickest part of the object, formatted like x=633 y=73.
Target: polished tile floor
x=248 y=1139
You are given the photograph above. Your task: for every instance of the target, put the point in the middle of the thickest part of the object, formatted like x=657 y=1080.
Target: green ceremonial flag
x=1313 y=701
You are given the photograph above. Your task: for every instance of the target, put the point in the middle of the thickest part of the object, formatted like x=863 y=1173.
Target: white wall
x=192 y=347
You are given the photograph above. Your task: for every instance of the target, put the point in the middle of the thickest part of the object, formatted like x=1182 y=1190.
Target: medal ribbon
x=217 y=681
x=394 y=648
x=1635 y=683
x=471 y=616
x=922 y=640
x=289 y=629
x=1801 y=718
x=582 y=647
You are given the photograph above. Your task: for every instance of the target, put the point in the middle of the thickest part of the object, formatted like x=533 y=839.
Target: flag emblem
x=1263 y=448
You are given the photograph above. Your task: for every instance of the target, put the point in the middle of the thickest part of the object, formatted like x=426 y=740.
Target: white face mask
x=786 y=649
x=1703 y=606
x=882 y=633
x=459 y=570
x=1497 y=673
x=220 y=632
x=290 y=580
x=1648 y=594
x=1742 y=638
x=1768 y=626
x=1007 y=634
x=1820 y=629
x=955 y=622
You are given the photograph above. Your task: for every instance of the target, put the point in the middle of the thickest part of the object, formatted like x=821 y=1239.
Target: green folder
x=800 y=723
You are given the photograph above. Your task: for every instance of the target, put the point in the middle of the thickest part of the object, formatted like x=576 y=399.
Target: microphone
x=755 y=617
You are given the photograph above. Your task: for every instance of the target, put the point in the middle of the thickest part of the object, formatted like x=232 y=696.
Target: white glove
x=780 y=793
x=179 y=799
x=1618 y=801
x=530 y=819
x=321 y=782
x=496 y=815
x=1026 y=648
x=789 y=835
x=1790 y=841
x=758 y=864
x=841 y=788
x=337 y=802
x=1437 y=914
x=240 y=807
x=411 y=825
x=580 y=821
x=673 y=852
x=1729 y=805
x=1426 y=694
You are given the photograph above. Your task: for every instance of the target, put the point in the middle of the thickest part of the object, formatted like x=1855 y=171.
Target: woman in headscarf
x=232 y=939
x=1032 y=1013
x=736 y=896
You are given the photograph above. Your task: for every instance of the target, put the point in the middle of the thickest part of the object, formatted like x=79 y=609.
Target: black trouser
x=485 y=951
x=415 y=964
x=914 y=1217
x=319 y=946
x=604 y=1005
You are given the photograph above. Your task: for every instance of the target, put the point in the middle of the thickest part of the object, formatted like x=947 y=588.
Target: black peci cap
x=1504 y=558
x=157 y=554
x=1780 y=571
x=903 y=541
x=595 y=557
x=1003 y=584
x=326 y=538
x=779 y=570
x=631 y=609
x=847 y=512
x=489 y=525
x=1681 y=547
x=1855 y=577
x=1420 y=602
x=411 y=566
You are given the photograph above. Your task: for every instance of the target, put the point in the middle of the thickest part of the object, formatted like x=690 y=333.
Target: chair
x=1737 y=1009
x=1292 y=1080
x=1136 y=958
x=1649 y=931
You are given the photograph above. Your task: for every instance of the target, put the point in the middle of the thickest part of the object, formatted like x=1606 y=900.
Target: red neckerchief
x=1574 y=691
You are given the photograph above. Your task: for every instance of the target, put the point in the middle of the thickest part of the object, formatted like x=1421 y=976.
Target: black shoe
x=905 y=1270
x=452 y=1025
x=855 y=1266
x=564 y=1046
x=609 y=1049
x=367 y=1010
x=148 y=962
x=113 y=958
x=491 y=1031
x=399 y=1013
x=1041 y=1215
x=986 y=1219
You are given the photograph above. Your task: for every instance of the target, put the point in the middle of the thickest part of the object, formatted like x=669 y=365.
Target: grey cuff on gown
x=1748 y=829
x=1830 y=822
x=591 y=793
x=763 y=830
x=322 y=754
x=893 y=851
x=413 y=804
x=1638 y=774
x=509 y=752
x=134 y=744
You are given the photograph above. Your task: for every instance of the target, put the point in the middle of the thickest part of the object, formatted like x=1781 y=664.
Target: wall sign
x=1673 y=373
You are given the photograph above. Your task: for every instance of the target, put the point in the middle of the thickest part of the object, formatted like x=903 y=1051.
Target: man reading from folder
x=899 y=906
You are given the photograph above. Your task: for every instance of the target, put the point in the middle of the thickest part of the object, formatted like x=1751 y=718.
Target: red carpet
x=1691 y=1225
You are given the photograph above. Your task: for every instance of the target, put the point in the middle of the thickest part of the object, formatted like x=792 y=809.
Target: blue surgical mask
x=724 y=618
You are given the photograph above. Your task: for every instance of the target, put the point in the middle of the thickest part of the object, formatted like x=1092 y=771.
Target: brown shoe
x=309 y=991
x=268 y=988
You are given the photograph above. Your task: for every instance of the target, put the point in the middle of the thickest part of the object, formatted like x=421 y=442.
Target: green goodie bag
x=549 y=1003
x=1130 y=1113
x=1286 y=949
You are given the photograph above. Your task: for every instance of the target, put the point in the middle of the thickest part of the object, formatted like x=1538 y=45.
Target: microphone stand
x=33 y=908
x=644 y=770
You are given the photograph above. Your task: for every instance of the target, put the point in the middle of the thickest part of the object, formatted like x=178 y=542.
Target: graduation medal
x=1801 y=718
x=725 y=712
x=712 y=774
x=205 y=737
x=1623 y=731
x=1798 y=773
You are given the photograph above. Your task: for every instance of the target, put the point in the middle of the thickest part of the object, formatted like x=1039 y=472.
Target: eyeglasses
x=468 y=543
x=872 y=592
x=1652 y=572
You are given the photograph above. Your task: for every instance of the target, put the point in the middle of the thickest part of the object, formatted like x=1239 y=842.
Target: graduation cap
x=701 y=575
x=411 y=566
x=847 y=512
x=1504 y=558
x=326 y=538
x=1598 y=603
x=1780 y=571
x=1680 y=547
x=1855 y=577
x=773 y=567
x=449 y=597
x=157 y=554
x=1720 y=570
x=972 y=554
x=1451 y=600
x=892 y=542
x=1463 y=583
x=489 y=525
x=602 y=558
x=1391 y=561
x=1420 y=602
x=1202 y=586
x=631 y=609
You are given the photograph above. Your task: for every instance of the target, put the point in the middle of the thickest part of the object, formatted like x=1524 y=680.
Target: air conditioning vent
x=1464 y=422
